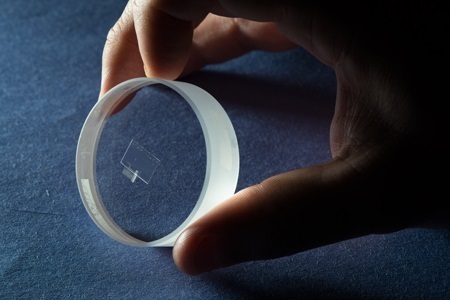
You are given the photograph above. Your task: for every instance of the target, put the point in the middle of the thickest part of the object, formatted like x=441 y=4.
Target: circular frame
x=222 y=165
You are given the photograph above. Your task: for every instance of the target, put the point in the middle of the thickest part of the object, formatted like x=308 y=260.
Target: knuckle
x=115 y=32
x=121 y=26
x=136 y=4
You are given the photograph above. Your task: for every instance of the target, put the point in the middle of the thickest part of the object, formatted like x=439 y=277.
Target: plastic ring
x=222 y=166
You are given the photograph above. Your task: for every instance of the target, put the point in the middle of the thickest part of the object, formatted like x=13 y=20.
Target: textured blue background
x=281 y=106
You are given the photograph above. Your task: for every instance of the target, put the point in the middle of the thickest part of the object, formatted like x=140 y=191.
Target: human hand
x=385 y=135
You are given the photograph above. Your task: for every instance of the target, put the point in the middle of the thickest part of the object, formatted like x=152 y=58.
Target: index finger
x=152 y=38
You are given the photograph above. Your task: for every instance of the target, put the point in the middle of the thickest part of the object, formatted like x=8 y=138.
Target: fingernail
x=206 y=257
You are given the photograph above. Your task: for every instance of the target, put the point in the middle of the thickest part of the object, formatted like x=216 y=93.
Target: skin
x=386 y=135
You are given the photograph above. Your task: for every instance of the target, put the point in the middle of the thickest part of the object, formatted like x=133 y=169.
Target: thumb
x=285 y=214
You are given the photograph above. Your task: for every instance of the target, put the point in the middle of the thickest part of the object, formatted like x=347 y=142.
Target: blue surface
x=281 y=107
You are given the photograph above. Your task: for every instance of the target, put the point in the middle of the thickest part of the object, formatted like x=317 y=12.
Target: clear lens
x=151 y=162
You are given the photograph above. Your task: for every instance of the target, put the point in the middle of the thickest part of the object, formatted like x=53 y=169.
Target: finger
x=121 y=59
x=316 y=27
x=269 y=26
x=288 y=213
x=164 y=32
x=230 y=38
x=164 y=38
x=278 y=217
x=150 y=38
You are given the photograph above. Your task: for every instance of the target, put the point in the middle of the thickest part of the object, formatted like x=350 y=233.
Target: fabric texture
x=281 y=106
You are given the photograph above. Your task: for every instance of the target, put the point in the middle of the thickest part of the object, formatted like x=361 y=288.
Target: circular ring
x=222 y=165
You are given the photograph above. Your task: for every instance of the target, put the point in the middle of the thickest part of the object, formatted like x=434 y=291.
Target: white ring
x=222 y=166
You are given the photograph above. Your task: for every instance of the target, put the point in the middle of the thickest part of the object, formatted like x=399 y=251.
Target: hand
x=386 y=135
